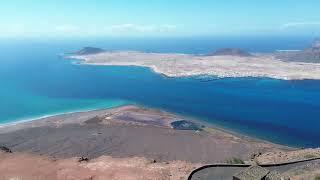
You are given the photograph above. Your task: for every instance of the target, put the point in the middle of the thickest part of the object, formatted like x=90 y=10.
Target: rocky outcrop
x=5 y=149
x=83 y=159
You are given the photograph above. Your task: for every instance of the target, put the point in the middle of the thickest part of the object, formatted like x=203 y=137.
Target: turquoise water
x=24 y=106
x=36 y=81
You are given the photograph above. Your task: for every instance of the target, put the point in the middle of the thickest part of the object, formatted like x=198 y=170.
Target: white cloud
x=300 y=25
x=85 y=30
x=118 y=29
x=167 y=27
x=66 y=28
x=141 y=28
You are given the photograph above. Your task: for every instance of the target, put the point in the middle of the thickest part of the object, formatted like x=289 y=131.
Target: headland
x=111 y=138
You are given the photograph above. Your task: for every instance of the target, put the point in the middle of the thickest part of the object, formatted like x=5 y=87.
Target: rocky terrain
x=29 y=167
x=287 y=156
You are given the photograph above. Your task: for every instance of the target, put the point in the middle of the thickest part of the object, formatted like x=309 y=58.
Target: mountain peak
x=89 y=50
x=316 y=43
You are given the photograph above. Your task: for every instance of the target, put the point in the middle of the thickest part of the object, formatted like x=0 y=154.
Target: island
x=223 y=63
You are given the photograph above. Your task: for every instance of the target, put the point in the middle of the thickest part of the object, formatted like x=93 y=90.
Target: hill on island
x=230 y=52
x=89 y=50
x=310 y=54
x=313 y=52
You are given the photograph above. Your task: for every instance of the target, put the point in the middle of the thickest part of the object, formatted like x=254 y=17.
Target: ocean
x=37 y=81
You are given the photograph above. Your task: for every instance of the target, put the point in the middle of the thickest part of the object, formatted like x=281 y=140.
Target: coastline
x=232 y=132
x=83 y=61
x=49 y=120
x=128 y=133
x=41 y=117
x=184 y=65
x=131 y=120
x=217 y=127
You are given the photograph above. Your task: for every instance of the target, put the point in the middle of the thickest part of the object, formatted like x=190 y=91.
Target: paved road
x=225 y=173
x=218 y=173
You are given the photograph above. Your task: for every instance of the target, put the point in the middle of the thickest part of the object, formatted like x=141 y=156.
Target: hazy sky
x=73 y=18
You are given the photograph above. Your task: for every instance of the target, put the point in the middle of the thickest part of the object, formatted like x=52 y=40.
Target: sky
x=157 y=18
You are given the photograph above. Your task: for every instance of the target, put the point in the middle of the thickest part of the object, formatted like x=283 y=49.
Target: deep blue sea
x=35 y=81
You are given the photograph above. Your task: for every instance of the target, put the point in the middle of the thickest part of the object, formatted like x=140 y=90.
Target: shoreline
x=185 y=65
x=233 y=132
x=41 y=117
x=217 y=127
x=128 y=131
x=48 y=119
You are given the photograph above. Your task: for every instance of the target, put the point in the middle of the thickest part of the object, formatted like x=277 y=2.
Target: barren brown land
x=126 y=142
x=21 y=166
x=176 y=65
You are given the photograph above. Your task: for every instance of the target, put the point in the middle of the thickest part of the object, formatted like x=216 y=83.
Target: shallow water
x=36 y=81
